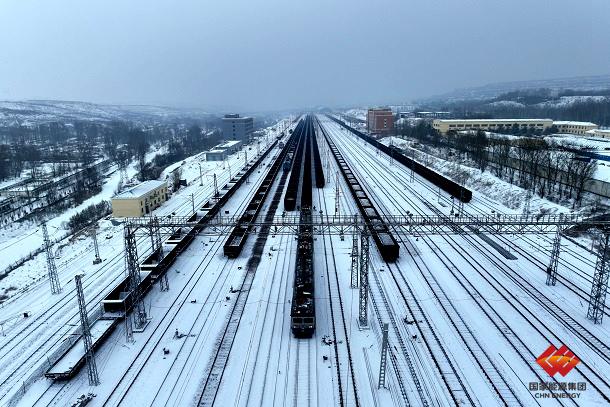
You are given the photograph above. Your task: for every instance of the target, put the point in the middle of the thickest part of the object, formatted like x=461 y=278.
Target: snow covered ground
x=466 y=324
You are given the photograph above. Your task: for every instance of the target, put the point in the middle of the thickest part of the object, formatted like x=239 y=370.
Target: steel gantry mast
x=94 y=378
x=551 y=270
x=51 y=269
x=93 y=234
x=133 y=270
x=364 y=279
x=354 y=255
x=407 y=225
x=597 y=299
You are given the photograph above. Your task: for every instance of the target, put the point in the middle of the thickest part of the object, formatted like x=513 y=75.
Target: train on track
x=303 y=310
x=456 y=190
x=379 y=231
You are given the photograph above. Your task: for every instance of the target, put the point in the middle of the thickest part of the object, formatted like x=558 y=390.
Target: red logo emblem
x=560 y=360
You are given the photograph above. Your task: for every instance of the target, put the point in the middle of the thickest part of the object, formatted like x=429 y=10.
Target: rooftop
x=140 y=190
x=494 y=120
x=570 y=123
x=216 y=151
x=228 y=144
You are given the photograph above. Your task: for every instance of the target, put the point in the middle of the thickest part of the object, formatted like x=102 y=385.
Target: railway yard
x=328 y=269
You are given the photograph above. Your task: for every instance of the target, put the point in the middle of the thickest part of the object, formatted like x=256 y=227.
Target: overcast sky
x=270 y=54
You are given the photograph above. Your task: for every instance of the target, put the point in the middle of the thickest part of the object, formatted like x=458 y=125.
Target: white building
x=578 y=128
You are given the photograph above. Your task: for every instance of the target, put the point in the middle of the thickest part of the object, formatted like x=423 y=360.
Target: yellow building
x=578 y=128
x=139 y=200
x=444 y=126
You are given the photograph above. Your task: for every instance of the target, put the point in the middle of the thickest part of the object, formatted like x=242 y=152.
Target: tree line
x=528 y=162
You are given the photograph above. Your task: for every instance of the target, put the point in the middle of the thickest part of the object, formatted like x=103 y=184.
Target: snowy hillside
x=41 y=111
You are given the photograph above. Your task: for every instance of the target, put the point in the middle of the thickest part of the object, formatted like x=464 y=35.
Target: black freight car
x=453 y=188
x=303 y=312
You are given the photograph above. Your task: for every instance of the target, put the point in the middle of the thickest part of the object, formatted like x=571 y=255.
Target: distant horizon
x=229 y=109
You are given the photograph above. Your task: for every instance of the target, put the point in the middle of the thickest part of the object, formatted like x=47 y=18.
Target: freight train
x=456 y=190
x=303 y=312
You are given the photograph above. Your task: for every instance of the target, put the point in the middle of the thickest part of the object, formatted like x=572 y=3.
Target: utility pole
x=216 y=193
x=200 y=176
x=337 y=194
x=364 y=278
x=193 y=202
x=94 y=378
x=354 y=282
x=551 y=270
x=93 y=233
x=384 y=356
x=51 y=269
x=133 y=271
x=599 y=288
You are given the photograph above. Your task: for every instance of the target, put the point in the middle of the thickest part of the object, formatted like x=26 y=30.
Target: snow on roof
x=140 y=190
x=229 y=144
x=571 y=123
x=216 y=151
x=493 y=120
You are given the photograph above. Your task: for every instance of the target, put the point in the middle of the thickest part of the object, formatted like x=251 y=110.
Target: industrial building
x=139 y=200
x=237 y=128
x=578 y=128
x=380 y=121
x=444 y=126
x=215 y=155
x=229 y=147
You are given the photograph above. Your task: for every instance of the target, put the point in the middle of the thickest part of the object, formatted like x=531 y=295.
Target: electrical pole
x=337 y=194
x=551 y=270
x=94 y=378
x=384 y=356
x=599 y=288
x=216 y=193
x=364 y=278
x=354 y=282
x=51 y=269
x=193 y=202
x=93 y=233
x=133 y=270
x=200 y=176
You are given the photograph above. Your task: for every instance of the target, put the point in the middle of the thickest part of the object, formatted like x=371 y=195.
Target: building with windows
x=380 y=121
x=578 y=128
x=237 y=128
x=139 y=200
x=506 y=125
x=598 y=133
x=215 y=155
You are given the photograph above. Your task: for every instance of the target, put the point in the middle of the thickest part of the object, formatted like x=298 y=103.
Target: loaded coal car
x=303 y=312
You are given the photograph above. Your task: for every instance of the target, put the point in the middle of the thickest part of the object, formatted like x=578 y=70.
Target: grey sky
x=270 y=54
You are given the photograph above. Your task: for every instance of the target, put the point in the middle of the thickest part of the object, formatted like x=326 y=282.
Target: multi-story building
x=139 y=200
x=578 y=128
x=380 y=121
x=598 y=133
x=444 y=126
x=237 y=128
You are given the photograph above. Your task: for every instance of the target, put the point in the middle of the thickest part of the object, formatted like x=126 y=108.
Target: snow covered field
x=466 y=324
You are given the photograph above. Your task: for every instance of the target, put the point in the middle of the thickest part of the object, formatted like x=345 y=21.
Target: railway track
x=513 y=298
x=215 y=373
x=334 y=291
x=91 y=282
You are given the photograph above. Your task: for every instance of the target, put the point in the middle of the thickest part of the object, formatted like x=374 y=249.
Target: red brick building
x=380 y=121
